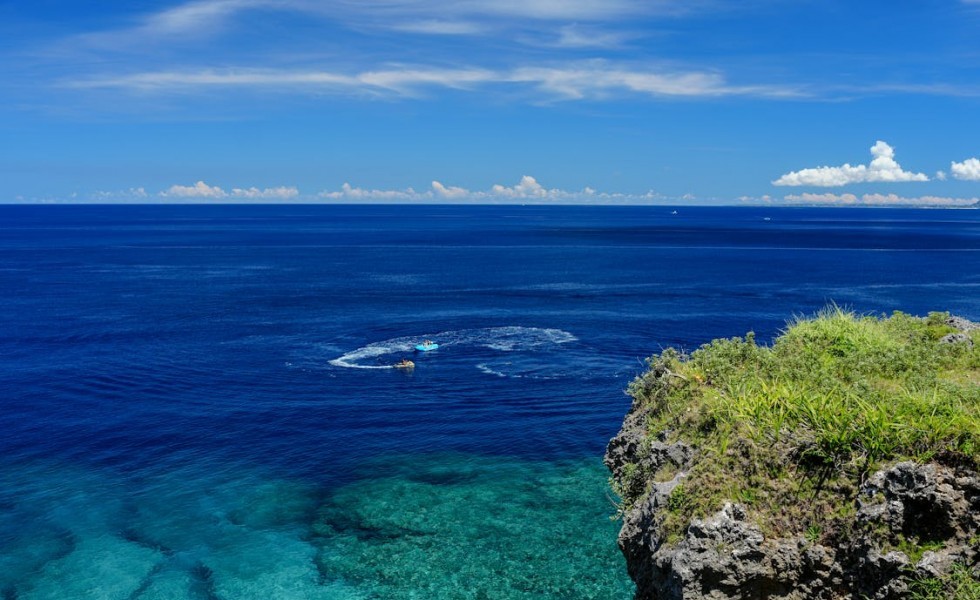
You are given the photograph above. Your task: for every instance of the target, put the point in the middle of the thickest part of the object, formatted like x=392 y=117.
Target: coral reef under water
x=432 y=526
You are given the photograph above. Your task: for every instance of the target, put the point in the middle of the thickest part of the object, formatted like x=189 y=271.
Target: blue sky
x=613 y=101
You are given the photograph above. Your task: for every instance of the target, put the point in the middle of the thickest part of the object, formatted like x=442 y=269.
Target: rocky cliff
x=771 y=507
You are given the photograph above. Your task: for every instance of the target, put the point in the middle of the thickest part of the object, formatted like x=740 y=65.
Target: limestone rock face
x=929 y=502
x=956 y=338
x=962 y=324
x=932 y=503
x=964 y=328
x=727 y=557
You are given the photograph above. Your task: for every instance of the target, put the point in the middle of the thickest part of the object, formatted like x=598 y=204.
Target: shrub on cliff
x=791 y=430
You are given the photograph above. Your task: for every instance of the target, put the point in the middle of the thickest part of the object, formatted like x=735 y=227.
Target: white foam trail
x=351 y=360
x=501 y=339
x=487 y=370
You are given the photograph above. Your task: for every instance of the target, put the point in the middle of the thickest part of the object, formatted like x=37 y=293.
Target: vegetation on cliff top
x=792 y=429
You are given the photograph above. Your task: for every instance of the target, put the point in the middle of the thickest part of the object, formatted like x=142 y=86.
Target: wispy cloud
x=405 y=80
x=176 y=81
x=462 y=17
x=598 y=79
x=879 y=200
x=554 y=9
x=579 y=36
x=201 y=15
x=883 y=168
x=958 y=90
x=190 y=20
x=581 y=80
x=969 y=169
x=206 y=13
x=439 y=27
x=556 y=27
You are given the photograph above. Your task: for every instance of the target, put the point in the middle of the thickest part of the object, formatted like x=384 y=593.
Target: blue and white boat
x=426 y=346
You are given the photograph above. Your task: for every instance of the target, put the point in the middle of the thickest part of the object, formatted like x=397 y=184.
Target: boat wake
x=498 y=339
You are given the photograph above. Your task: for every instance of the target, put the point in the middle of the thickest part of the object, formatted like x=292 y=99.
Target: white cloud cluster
x=136 y=193
x=883 y=169
x=198 y=190
x=450 y=192
x=968 y=170
x=203 y=190
x=348 y=192
x=276 y=193
x=879 y=200
x=527 y=189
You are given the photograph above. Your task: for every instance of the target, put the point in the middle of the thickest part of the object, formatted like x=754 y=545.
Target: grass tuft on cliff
x=792 y=429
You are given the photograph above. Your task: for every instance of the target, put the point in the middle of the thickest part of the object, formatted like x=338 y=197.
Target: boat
x=426 y=346
x=405 y=364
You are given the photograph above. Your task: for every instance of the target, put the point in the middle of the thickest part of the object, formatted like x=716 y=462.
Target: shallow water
x=197 y=402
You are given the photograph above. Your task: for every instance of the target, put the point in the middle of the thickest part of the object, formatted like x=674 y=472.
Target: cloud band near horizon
x=527 y=190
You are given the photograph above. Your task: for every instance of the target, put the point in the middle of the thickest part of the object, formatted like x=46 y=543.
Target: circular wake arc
x=500 y=339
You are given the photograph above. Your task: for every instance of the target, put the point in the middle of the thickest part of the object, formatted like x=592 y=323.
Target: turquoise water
x=198 y=402
x=438 y=526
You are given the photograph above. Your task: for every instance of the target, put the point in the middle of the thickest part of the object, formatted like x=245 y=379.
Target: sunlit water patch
x=464 y=527
x=417 y=526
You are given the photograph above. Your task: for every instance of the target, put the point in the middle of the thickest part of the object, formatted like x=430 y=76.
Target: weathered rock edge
x=726 y=556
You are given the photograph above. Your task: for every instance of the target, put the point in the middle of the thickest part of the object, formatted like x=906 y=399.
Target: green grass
x=960 y=584
x=790 y=430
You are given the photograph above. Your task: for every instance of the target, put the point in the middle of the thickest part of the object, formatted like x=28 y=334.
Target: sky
x=696 y=102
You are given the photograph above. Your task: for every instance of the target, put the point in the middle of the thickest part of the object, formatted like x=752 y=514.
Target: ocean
x=197 y=402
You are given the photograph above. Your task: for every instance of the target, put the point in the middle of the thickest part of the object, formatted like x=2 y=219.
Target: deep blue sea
x=197 y=402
